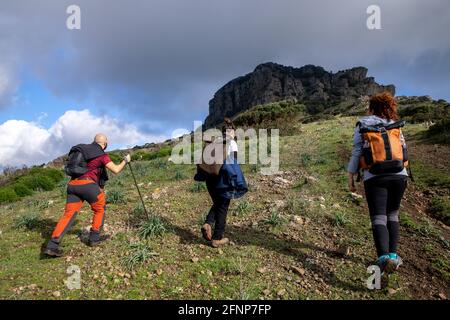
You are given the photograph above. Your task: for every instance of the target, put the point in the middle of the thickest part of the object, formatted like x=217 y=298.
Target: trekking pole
x=139 y=191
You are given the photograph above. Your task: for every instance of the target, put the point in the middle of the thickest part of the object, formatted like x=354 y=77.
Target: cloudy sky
x=139 y=69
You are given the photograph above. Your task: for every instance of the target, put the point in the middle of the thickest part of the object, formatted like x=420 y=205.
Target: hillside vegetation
x=296 y=235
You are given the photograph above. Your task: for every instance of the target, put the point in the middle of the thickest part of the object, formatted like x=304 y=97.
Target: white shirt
x=231 y=148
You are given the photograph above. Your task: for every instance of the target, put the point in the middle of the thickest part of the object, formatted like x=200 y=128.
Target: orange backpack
x=384 y=149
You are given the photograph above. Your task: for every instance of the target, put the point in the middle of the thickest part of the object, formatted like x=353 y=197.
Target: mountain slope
x=296 y=235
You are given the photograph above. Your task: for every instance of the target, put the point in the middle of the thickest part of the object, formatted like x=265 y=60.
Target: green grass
x=139 y=254
x=340 y=219
x=115 y=197
x=426 y=175
x=178 y=264
x=28 y=221
x=153 y=226
x=179 y=175
x=242 y=208
x=275 y=219
x=440 y=208
x=198 y=187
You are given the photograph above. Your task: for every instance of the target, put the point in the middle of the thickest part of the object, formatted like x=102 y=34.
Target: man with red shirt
x=87 y=187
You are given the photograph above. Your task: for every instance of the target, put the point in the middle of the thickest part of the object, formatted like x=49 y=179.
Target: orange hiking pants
x=79 y=191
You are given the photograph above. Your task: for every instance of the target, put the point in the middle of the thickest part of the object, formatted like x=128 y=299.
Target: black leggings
x=383 y=195
x=217 y=215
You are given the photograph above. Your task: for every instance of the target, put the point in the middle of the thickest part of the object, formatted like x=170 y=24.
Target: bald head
x=101 y=139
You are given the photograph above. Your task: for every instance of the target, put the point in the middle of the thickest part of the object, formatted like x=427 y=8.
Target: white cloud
x=27 y=143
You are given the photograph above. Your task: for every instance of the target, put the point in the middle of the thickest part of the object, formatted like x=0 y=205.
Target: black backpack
x=79 y=156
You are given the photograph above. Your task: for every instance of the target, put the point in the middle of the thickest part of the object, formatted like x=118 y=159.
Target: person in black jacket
x=217 y=215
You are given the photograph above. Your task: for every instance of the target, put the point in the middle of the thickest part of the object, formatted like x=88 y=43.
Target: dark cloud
x=162 y=60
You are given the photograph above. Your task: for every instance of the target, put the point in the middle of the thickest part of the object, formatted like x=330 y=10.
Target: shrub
x=146 y=156
x=38 y=182
x=22 y=190
x=8 y=194
x=440 y=131
x=115 y=157
x=54 y=174
x=140 y=155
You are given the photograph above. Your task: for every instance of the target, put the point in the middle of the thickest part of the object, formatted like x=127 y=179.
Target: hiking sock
x=381 y=237
x=393 y=229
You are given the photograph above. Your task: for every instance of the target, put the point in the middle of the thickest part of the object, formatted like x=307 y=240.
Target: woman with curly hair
x=384 y=191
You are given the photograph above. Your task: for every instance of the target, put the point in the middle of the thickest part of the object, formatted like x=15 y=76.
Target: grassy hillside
x=295 y=235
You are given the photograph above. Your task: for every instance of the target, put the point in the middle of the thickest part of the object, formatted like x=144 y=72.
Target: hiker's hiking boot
x=207 y=232
x=389 y=263
x=53 y=252
x=220 y=243
x=395 y=258
x=95 y=241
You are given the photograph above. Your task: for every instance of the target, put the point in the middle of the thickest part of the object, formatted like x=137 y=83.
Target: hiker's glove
x=127 y=158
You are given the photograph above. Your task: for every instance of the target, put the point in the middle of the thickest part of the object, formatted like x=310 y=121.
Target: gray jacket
x=358 y=147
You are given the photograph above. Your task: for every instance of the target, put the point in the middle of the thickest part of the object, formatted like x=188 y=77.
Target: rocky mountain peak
x=271 y=82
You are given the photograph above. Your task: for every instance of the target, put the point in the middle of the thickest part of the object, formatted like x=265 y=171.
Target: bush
x=116 y=158
x=8 y=195
x=22 y=190
x=38 y=182
x=54 y=174
x=440 y=131
x=146 y=156
x=28 y=180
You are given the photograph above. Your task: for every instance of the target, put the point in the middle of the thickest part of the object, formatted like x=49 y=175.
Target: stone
x=298 y=270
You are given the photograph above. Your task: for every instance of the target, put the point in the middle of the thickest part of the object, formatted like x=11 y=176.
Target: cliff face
x=271 y=82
